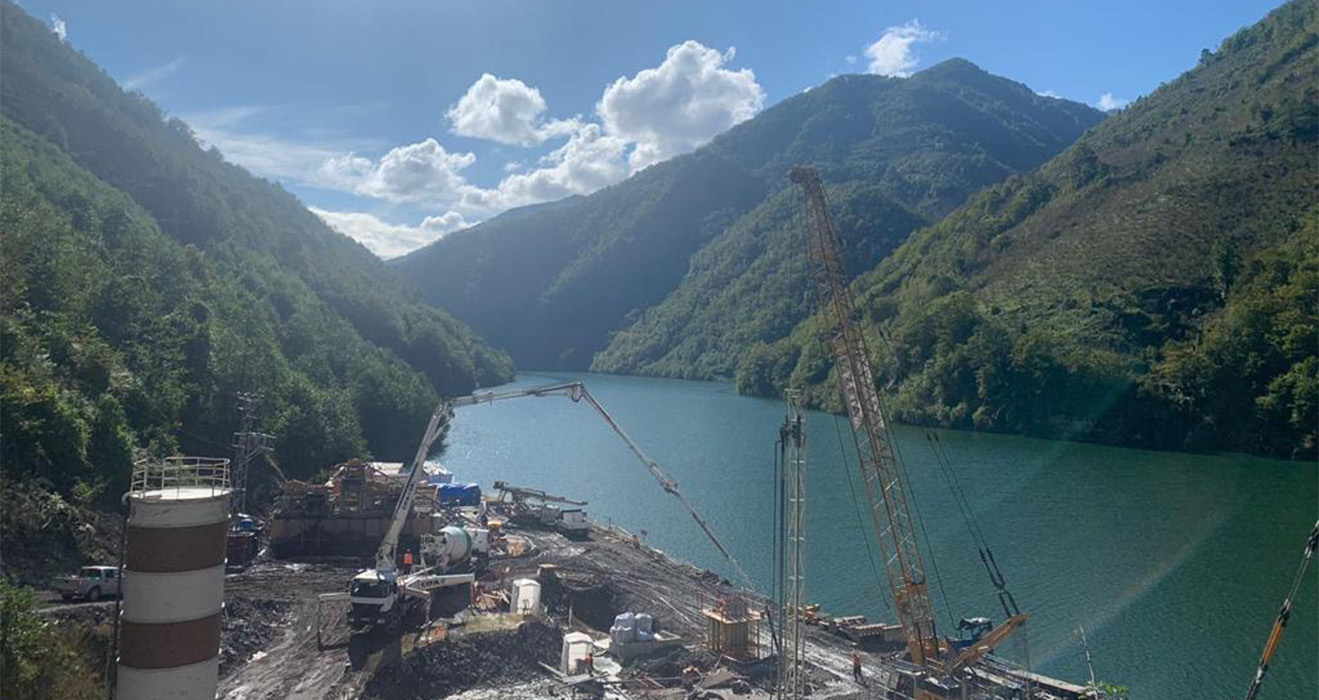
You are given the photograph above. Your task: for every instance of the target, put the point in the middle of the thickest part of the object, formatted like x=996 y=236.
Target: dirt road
x=293 y=665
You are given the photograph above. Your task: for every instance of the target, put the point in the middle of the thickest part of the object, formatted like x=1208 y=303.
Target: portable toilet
x=576 y=647
x=526 y=596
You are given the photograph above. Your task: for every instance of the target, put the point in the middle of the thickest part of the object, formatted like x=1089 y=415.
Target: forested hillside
x=680 y=268
x=1155 y=284
x=147 y=281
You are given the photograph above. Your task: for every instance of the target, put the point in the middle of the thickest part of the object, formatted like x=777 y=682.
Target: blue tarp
x=460 y=494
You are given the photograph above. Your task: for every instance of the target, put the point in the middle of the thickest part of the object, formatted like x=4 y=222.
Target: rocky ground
x=272 y=647
x=280 y=641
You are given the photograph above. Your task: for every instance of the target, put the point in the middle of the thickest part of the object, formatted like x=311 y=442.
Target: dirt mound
x=445 y=668
x=250 y=625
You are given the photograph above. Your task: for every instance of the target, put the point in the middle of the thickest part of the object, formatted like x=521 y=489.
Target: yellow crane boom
x=880 y=470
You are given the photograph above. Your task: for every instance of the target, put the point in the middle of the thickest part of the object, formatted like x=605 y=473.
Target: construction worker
x=856 y=666
x=407 y=562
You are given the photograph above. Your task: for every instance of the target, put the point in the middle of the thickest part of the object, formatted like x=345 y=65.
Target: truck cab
x=374 y=599
x=91 y=583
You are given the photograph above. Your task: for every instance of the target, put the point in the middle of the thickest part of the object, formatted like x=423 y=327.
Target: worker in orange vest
x=407 y=562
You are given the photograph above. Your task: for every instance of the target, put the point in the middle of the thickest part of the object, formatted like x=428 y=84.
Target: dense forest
x=1155 y=284
x=679 y=269
x=146 y=282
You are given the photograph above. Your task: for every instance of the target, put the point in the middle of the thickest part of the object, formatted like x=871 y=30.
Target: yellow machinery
x=880 y=471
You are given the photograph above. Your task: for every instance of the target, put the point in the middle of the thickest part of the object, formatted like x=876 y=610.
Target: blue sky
x=379 y=117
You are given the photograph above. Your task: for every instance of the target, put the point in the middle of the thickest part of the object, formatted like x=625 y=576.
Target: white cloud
x=589 y=160
x=506 y=111
x=656 y=114
x=851 y=60
x=58 y=27
x=1108 y=102
x=1049 y=93
x=422 y=172
x=269 y=155
x=390 y=240
x=679 y=105
x=893 y=53
x=151 y=76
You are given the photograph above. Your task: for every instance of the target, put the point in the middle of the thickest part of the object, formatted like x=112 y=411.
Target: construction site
x=395 y=581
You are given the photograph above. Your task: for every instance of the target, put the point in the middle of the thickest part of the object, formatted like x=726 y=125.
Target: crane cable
x=996 y=578
x=1270 y=646
x=929 y=543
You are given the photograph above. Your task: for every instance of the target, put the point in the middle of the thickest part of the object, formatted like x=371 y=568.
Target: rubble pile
x=488 y=659
x=250 y=624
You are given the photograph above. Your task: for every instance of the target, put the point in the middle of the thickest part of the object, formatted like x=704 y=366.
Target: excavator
x=938 y=659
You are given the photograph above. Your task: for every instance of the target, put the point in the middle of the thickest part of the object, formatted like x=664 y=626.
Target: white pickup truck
x=92 y=582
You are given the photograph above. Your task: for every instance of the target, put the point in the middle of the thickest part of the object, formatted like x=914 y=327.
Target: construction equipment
x=519 y=495
x=878 y=462
x=790 y=561
x=577 y=392
x=537 y=506
x=376 y=594
x=1275 y=636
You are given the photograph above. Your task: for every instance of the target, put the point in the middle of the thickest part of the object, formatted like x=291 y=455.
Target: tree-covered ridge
x=114 y=339
x=146 y=282
x=249 y=224
x=642 y=259
x=1148 y=286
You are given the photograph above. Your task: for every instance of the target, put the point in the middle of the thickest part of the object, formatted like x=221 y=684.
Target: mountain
x=146 y=281
x=1154 y=284
x=680 y=268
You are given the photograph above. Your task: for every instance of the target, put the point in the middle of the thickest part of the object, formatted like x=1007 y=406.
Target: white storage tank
x=173 y=587
x=526 y=596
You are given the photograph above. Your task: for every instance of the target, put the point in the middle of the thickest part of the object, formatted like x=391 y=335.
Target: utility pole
x=247 y=444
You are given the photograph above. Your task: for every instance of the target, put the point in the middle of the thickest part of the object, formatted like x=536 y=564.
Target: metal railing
x=176 y=473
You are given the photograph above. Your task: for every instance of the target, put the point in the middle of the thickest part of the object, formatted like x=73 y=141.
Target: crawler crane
x=880 y=470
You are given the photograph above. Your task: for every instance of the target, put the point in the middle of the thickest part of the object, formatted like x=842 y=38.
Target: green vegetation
x=679 y=269
x=1154 y=285
x=146 y=282
x=41 y=660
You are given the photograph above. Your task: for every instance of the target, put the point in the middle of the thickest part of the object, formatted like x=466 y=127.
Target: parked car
x=91 y=582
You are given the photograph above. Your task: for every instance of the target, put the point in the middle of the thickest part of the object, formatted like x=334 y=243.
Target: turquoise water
x=1175 y=564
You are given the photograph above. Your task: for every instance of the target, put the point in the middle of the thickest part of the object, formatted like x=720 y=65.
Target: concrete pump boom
x=576 y=391
x=389 y=545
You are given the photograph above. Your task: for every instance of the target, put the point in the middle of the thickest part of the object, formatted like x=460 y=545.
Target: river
x=1175 y=564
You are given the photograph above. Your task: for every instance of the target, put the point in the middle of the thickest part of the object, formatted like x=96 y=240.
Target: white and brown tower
x=173 y=589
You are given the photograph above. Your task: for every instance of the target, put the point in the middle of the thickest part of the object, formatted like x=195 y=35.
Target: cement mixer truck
x=380 y=596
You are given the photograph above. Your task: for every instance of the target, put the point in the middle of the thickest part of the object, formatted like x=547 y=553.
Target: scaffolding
x=790 y=559
x=732 y=629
